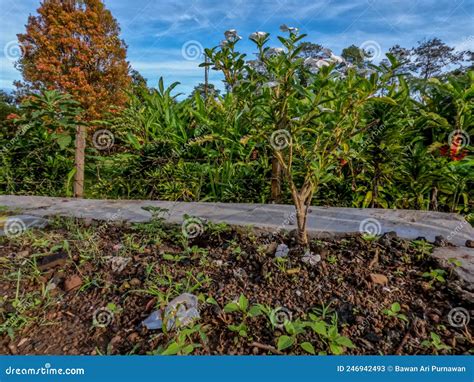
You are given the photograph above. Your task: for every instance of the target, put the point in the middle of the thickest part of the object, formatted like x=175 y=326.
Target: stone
x=271 y=248
x=470 y=243
x=23 y=254
x=51 y=261
x=72 y=283
x=239 y=273
x=378 y=278
x=16 y=225
x=282 y=251
x=323 y=222
x=463 y=255
x=440 y=241
x=311 y=259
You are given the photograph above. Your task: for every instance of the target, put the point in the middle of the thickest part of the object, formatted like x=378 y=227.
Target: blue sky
x=157 y=30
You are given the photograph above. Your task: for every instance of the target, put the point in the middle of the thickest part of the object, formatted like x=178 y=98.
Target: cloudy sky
x=161 y=34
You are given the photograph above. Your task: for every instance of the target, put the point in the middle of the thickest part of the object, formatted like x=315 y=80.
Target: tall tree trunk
x=302 y=202
x=276 y=181
x=434 y=199
x=79 y=161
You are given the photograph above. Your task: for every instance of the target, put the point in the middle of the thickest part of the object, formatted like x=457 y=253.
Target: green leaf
x=231 y=307
x=187 y=349
x=308 y=347
x=396 y=307
x=344 y=341
x=211 y=300
x=255 y=311
x=243 y=303
x=172 y=349
x=284 y=342
x=63 y=140
x=336 y=349
x=320 y=328
x=387 y=100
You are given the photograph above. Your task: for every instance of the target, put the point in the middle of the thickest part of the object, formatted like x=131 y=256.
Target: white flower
x=270 y=84
x=274 y=52
x=231 y=35
x=325 y=109
x=286 y=28
x=258 y=36
x=316 y=63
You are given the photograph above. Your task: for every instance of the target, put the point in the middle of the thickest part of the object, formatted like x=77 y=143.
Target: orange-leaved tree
x=74 y=46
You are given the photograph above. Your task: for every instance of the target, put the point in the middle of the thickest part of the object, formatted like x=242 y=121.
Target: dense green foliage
x=411 y=148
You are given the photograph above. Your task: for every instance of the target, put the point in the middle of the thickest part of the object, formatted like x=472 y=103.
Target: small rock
x=282 y=251
x=72 y=283
x=440 y=241
x=51 y=261
x=124 y=287
x=311 y=259
x=470 y=243
x=218 y=263
x=117 y=247
x=271 y=248
x=390 y=235
x=133 y=337
x=22 y=254
x=239 y=273
x=118 y=263
x=377 y=278
x=22 y=342
x=298 y=293
x=135 y=282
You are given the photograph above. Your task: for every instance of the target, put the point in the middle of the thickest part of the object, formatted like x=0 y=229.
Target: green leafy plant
x=435 y=275
x=435 y=343
x=394 y=311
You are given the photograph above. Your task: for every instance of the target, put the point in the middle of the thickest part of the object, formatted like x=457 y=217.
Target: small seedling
x=394 y=311
x=435 y=343
x=435 y=275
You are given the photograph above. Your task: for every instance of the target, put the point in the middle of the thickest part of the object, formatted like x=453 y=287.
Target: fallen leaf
x=72 y=283
x=377 y=278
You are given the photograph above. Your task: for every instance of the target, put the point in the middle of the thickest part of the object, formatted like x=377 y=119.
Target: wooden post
x=79 y=161
x=276 y=181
